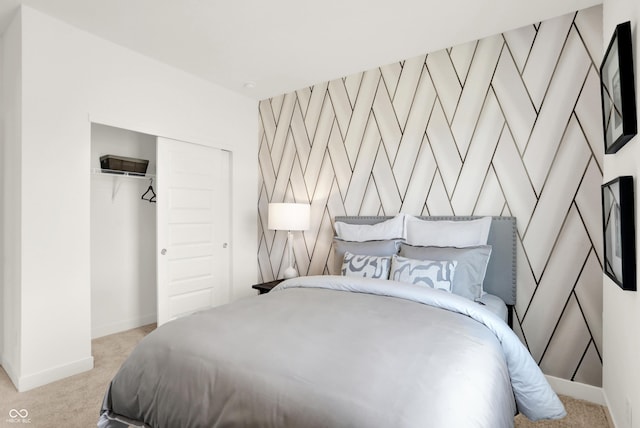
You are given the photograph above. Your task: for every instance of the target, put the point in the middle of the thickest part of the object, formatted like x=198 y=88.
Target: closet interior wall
x=123 y=236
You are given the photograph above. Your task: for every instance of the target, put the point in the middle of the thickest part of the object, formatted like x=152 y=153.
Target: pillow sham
x=444 y=233
x=470 y=270
x=389 y=229
x=434 y=274
x=366 y=266
x=382 y=248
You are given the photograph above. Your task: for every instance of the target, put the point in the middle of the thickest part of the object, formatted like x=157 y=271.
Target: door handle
x=163 y=251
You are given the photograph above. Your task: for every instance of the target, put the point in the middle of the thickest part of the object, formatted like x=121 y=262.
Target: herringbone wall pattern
x=507 y=125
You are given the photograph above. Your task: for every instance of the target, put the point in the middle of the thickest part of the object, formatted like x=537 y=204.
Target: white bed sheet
x=495 y=305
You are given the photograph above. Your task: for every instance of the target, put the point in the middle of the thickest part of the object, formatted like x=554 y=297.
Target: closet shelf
x=118 y=176
x=124 y=174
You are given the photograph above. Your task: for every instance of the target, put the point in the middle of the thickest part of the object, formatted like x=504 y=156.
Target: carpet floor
x=75 y=401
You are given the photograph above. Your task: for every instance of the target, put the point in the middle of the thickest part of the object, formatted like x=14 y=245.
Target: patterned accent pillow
x=434 y=274
x=383 y=248
x=366 y=266
x=470 y=271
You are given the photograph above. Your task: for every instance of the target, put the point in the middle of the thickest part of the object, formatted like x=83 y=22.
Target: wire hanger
x=152 y=198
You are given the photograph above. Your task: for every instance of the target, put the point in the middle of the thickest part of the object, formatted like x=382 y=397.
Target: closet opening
x=123 y=234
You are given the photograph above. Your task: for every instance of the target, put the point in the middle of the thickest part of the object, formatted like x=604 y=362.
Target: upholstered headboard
x=500 y=278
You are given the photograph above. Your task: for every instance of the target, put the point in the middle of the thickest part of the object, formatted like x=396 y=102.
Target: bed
x=333 y=351
x=500 y=280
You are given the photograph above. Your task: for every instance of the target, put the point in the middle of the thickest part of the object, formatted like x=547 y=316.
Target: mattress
x=496 y=305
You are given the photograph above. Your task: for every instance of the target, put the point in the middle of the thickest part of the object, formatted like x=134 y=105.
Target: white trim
x=578 y=390
x=105 y=330
x=612 y=420
x=136 y=126
x=35 y=380
x=8 y=368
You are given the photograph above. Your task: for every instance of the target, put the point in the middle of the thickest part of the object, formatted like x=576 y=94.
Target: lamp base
x=290 y=272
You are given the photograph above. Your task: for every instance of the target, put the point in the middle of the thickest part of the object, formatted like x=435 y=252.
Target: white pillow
x=366 y=266
x=389 y=229
x=433 y=274
x=443 y=233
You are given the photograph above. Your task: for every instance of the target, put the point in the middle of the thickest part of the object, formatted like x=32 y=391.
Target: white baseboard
x=105 y=330
x=578 y=390
x=612 y=419
x=8 y=368
x=35 y=380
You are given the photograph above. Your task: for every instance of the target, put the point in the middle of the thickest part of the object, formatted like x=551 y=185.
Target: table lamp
x=289 y=217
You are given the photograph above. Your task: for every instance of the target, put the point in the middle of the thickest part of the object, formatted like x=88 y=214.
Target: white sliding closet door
x=193 y=218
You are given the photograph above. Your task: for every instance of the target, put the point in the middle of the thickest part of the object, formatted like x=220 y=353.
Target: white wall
x=621 y=377
x=11 y=172
x=2 y=197
x=123 y=236
x=71 y=78
x=2 y=157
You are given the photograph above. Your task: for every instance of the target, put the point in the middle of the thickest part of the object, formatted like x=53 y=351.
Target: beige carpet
x=579 y=414
x=75 y=401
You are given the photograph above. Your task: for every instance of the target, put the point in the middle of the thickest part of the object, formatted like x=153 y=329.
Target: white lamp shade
x=284 y=216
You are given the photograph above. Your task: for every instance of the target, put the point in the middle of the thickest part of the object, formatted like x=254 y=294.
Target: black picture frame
x=619 y=232
x=617 y=90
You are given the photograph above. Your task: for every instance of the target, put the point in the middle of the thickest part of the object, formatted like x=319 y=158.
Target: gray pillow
x=470 y=270
x=383 y=248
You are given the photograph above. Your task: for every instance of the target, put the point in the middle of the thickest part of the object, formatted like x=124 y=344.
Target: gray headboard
x=500 y=278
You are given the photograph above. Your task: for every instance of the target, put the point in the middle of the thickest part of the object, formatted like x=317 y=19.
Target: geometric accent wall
x=506 y=125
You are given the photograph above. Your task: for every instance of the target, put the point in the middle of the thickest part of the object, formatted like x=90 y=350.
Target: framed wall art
x=619 y=232
x=617 y=90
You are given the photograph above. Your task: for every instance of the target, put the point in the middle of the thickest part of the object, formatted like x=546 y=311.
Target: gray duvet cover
x=331 y=352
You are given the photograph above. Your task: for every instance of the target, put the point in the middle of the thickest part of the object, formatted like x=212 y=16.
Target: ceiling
x=283 y=45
